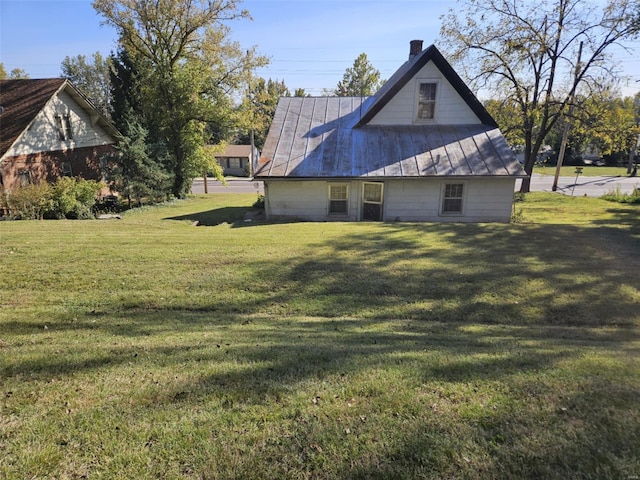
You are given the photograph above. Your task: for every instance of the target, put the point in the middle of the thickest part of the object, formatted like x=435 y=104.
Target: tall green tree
x=360 y=80
x=189 y=71
x=91 y=76
x=259 y=106
x=139 y=168
x=609 y=124
x=135 y=170
x=539 y=55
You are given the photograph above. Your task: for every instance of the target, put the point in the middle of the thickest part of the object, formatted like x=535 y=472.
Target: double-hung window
x=67 y=124
x=60 y=127
x=338 y=199
x=452 y=198
x=63 y=127
x=427 y=101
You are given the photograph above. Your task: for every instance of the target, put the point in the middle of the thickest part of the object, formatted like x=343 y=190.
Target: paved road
x=233 y=186
x=591 y=186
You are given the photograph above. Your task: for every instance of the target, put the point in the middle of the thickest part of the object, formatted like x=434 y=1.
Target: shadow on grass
x=217 y=216
x=456 y=304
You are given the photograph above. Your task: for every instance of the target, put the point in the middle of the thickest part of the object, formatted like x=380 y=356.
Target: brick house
x=49 y=129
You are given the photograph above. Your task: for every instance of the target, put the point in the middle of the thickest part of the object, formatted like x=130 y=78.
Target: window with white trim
x=338 y=199
x=427 y=101
x=452 y=198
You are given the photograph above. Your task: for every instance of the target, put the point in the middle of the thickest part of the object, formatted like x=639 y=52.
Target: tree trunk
x=529 y=160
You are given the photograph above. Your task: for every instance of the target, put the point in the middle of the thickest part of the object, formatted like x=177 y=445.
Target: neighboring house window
x=427 y=101
x=25 y=178
x=66 y=169
x=452 y=198
x=338 y=199
x=67 y=124
x=63 y=126
x=60 y=127
x=234 y=162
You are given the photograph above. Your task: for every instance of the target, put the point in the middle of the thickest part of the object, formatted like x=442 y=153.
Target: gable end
x=410 y=70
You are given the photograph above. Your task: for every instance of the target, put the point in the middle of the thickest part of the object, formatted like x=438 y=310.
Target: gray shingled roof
x=21 y=101
x=317 y=137
x=235 y=151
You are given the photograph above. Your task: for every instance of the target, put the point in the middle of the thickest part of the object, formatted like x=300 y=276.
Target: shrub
x=29 y=202
x=617 y=196
x=259 y=203
x=74 y=197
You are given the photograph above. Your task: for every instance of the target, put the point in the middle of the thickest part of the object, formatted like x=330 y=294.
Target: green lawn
x=148 y=347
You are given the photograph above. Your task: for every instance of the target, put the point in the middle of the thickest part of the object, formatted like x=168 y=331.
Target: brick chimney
x=415 y=47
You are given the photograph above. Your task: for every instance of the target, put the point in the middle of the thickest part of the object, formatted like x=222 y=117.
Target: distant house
x=236 y=160
x=49 y=129
x=423 y=148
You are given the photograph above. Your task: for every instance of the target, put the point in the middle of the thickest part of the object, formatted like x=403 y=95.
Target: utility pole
x=634 y=149
x=567 y=124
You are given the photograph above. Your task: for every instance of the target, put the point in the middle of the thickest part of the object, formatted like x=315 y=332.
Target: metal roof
x=318 y=137
x=330 y=137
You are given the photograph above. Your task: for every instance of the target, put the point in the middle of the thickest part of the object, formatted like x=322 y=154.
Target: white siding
x=42 y=134
x=485 y=200
x=412 y=200
x=451 y=109
x=306 y=200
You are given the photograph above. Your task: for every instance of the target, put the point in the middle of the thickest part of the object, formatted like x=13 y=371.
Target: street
x=589 y=186
x=235 y=185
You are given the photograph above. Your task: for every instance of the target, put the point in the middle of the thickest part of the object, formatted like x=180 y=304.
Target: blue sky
x=310 y=42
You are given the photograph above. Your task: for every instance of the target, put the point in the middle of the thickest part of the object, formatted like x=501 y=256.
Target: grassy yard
x=151 y=348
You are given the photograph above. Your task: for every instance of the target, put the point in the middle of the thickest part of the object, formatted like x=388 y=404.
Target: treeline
x=601 y=126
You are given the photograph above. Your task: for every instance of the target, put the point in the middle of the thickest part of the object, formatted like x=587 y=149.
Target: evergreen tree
x=361 y=80
x=139 y=169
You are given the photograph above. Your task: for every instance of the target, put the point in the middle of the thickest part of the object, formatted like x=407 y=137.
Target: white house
x=423 y=148
x=49 y=129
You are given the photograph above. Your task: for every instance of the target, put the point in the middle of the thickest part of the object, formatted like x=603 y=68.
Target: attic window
x=60 y=127
x=63 y=126
x=427 y=101
x=67 y=124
